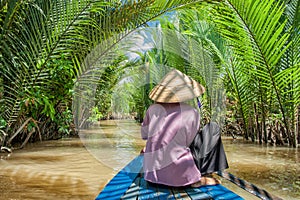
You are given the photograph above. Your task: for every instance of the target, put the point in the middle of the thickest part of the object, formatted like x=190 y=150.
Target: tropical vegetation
x=66 y=63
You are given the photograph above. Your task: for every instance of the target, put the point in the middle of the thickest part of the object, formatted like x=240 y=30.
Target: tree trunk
x=297 y=126
x=265 y=129
x=258 y=127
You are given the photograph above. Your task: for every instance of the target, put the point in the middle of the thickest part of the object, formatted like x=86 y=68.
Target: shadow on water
x=80 y=168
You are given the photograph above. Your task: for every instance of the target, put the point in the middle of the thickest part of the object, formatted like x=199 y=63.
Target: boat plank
x=164 y=192
x=120 y=183
x=180 y=194
x=133 y=192
x=129 y=184
x=219 y=192
x=197 y=193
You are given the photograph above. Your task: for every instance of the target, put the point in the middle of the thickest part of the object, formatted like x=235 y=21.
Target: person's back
x=169 y=129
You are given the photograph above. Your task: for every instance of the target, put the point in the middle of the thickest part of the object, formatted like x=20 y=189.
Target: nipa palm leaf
x=256 y=32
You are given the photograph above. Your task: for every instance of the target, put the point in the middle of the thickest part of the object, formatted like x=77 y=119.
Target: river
x=78 y=168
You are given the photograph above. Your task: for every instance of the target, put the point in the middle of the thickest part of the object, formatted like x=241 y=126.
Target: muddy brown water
x=80 y=168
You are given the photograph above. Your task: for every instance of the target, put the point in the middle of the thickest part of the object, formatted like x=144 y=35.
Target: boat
x=128 y=184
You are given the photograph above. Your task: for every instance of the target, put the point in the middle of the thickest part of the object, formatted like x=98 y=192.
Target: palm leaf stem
x=131 y=30
x=265 y=62
x=59 y=40
x=234 y=80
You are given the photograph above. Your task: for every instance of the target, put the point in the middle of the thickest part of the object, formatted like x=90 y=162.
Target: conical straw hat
x=176 y=87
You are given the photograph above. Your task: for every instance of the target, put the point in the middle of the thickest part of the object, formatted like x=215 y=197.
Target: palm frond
x=256 y=32
x=32 y=36
x=116 y=28
x=291 y=59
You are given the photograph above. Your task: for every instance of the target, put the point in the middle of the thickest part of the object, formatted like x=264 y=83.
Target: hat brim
x=176 y=87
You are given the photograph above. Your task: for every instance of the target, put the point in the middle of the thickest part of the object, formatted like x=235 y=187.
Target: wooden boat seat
x=130 y=184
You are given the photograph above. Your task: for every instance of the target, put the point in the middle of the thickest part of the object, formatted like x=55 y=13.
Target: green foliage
x=64 y=122
x=258 y=36
x=44 y=46
x=30 y=126
x=47 y=47
x=36 y=103
x=96 y=115
x=104 y=54
x=2 y=123
x=43 y=98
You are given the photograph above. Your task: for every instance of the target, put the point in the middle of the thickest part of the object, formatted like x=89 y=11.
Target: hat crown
x=175 y=78
x=176 y=87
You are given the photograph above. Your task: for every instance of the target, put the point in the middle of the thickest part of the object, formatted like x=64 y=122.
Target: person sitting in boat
x=170 y=127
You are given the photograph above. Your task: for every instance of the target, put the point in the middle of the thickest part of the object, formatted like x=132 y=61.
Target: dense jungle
x=66 y=65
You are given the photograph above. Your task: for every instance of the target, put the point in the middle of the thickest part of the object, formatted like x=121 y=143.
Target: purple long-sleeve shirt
x=169 y=129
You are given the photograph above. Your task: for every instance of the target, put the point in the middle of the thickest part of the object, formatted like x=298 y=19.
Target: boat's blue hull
x=128 y=184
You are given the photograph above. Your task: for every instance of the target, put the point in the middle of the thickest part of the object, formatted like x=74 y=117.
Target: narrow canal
x=80 y=168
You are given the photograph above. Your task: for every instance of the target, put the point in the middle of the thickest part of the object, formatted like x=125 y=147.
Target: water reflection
x=80 y=168
x=275 y=169
x=113 y=143
x=52 y=170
